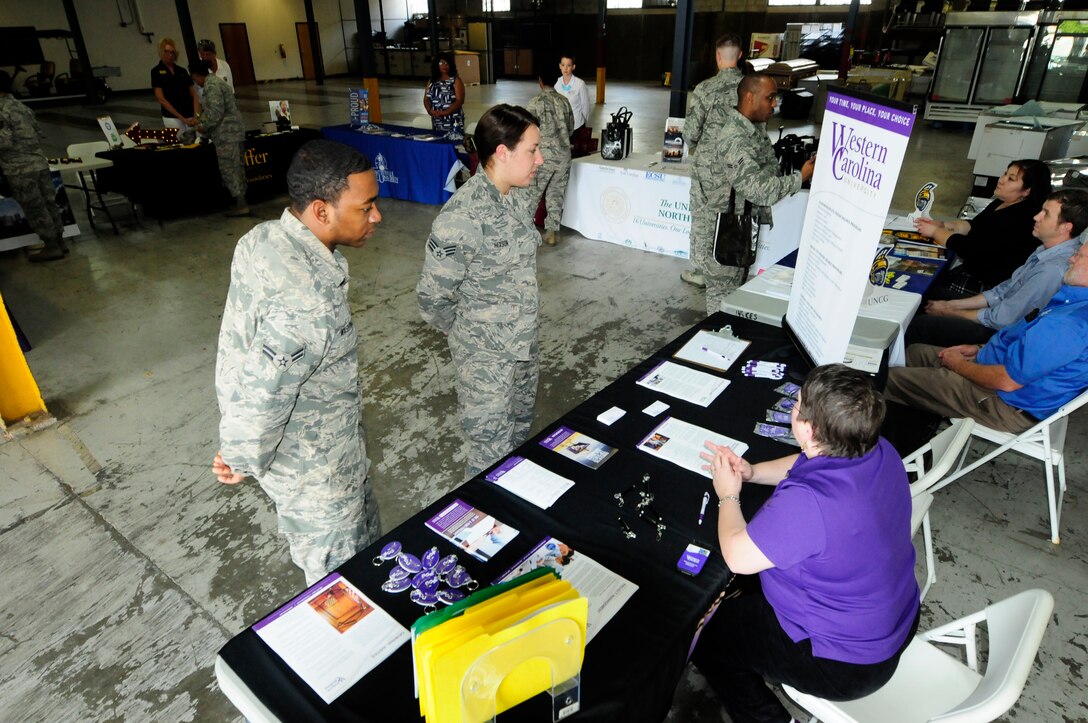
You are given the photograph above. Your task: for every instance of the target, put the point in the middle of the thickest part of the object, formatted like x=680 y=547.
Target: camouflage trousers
x=231 y=166
x=551 y=182
x=35 y=193
x=707 y=201
x=495 y=400
x=326 y=521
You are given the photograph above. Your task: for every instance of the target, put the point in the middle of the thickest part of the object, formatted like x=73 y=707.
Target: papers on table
x=681 y=443
x=864 y=359
x=331 y=635
x=530 y=481
x=577 y=446
x=712 y=350
x=477 y=533
x=607 y=591
x=681 y=382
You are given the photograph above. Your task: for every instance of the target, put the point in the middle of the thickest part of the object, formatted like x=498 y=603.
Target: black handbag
x=616 y=136
x=734 y=242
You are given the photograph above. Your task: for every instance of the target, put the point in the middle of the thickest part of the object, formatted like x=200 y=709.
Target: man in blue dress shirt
x=1022 y=375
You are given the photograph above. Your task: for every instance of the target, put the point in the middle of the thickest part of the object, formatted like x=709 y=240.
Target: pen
x=711 y=352
x=702 y=509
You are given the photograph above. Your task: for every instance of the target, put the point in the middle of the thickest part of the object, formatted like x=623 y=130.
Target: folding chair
x=931 y=685
x=1045 y=442
x=946 y=451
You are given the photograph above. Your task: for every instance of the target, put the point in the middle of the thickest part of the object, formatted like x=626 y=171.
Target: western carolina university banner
x=862 y=144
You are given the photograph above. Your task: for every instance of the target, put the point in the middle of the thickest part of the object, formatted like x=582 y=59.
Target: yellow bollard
x=19 y=395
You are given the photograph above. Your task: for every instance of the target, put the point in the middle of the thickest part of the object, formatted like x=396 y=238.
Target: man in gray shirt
x=975 y=319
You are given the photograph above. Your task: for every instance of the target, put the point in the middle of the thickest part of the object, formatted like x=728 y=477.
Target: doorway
x=310 y=59
x=236 y=52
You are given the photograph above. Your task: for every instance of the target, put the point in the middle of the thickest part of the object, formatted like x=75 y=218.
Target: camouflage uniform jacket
x=287 y=373
x=479 y=273
x=20 y=147
x=744 y=160
x=710 y=101
x=556 y=122
x=219 y=113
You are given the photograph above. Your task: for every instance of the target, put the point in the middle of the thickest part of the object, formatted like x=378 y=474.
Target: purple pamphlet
x=577 y=446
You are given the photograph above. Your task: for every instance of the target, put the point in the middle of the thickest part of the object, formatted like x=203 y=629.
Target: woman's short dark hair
x=844 y=409
x=1035 y=175
x=501 y=125
x=448 y=57
x=320 y=171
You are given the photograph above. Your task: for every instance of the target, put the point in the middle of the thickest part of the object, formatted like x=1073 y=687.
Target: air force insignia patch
x=281 y=360
x=439 y=252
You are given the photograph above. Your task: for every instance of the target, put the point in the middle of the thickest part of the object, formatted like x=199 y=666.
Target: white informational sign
x=862 y=143
x=109 y=129
x=778 y=241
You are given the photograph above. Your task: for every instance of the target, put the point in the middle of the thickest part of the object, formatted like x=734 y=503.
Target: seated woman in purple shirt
x=835 y=602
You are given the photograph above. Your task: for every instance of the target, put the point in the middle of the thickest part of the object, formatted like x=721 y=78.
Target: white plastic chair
x=422 y=121
x=931 y=685
x=946 y=451
x=1045 y=442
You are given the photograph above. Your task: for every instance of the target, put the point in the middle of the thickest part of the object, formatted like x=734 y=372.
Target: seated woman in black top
x=998 y=240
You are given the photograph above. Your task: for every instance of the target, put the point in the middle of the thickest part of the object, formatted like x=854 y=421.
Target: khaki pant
x=925 y=384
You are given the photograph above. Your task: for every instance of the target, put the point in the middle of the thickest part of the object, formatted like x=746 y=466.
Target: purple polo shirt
x=838 y=533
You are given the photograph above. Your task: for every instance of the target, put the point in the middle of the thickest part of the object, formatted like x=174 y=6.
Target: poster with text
x=862 y=143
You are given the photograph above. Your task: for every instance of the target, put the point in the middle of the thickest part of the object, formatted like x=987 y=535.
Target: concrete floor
x=127 y=566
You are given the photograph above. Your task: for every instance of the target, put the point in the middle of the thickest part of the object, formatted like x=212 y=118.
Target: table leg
x=101 y=201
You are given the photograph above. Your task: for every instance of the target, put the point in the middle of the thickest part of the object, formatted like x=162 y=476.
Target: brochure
x=607 y=592
x=530 y=481
x=716 y=351
x=477 y=533
x=279 y=110
x=577 y=446
x=331 y=635
x=681 y=443
x=358 y=107
x=681 y=382
x=674 y=150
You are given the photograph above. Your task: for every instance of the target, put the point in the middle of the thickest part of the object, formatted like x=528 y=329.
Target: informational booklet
x=474 y=531
x=529 y=481
x=712 y=350
x=279 y=110
x=358 y=107
x=606 y=591
x=679 y=381
x=674 y=150
x=331 y=635
x=577 y=446
x=681 y=443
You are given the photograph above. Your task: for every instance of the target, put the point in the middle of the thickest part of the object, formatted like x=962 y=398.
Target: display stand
x=546 y=658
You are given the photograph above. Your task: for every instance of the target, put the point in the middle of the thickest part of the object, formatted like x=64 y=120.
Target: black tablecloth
x=176 y=182
x=633 y=665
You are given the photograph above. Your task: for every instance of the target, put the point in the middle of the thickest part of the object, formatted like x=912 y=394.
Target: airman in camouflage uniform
x=220 y=120
x=287 y=379
x=743 y=159
x=479 y=286
x=556 y=126
x=710 y=103
x=27 y=172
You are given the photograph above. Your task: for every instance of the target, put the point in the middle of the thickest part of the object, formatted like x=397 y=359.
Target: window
x=417 y=7
x=614 y=4
x=497 y=6
x=795 y=3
